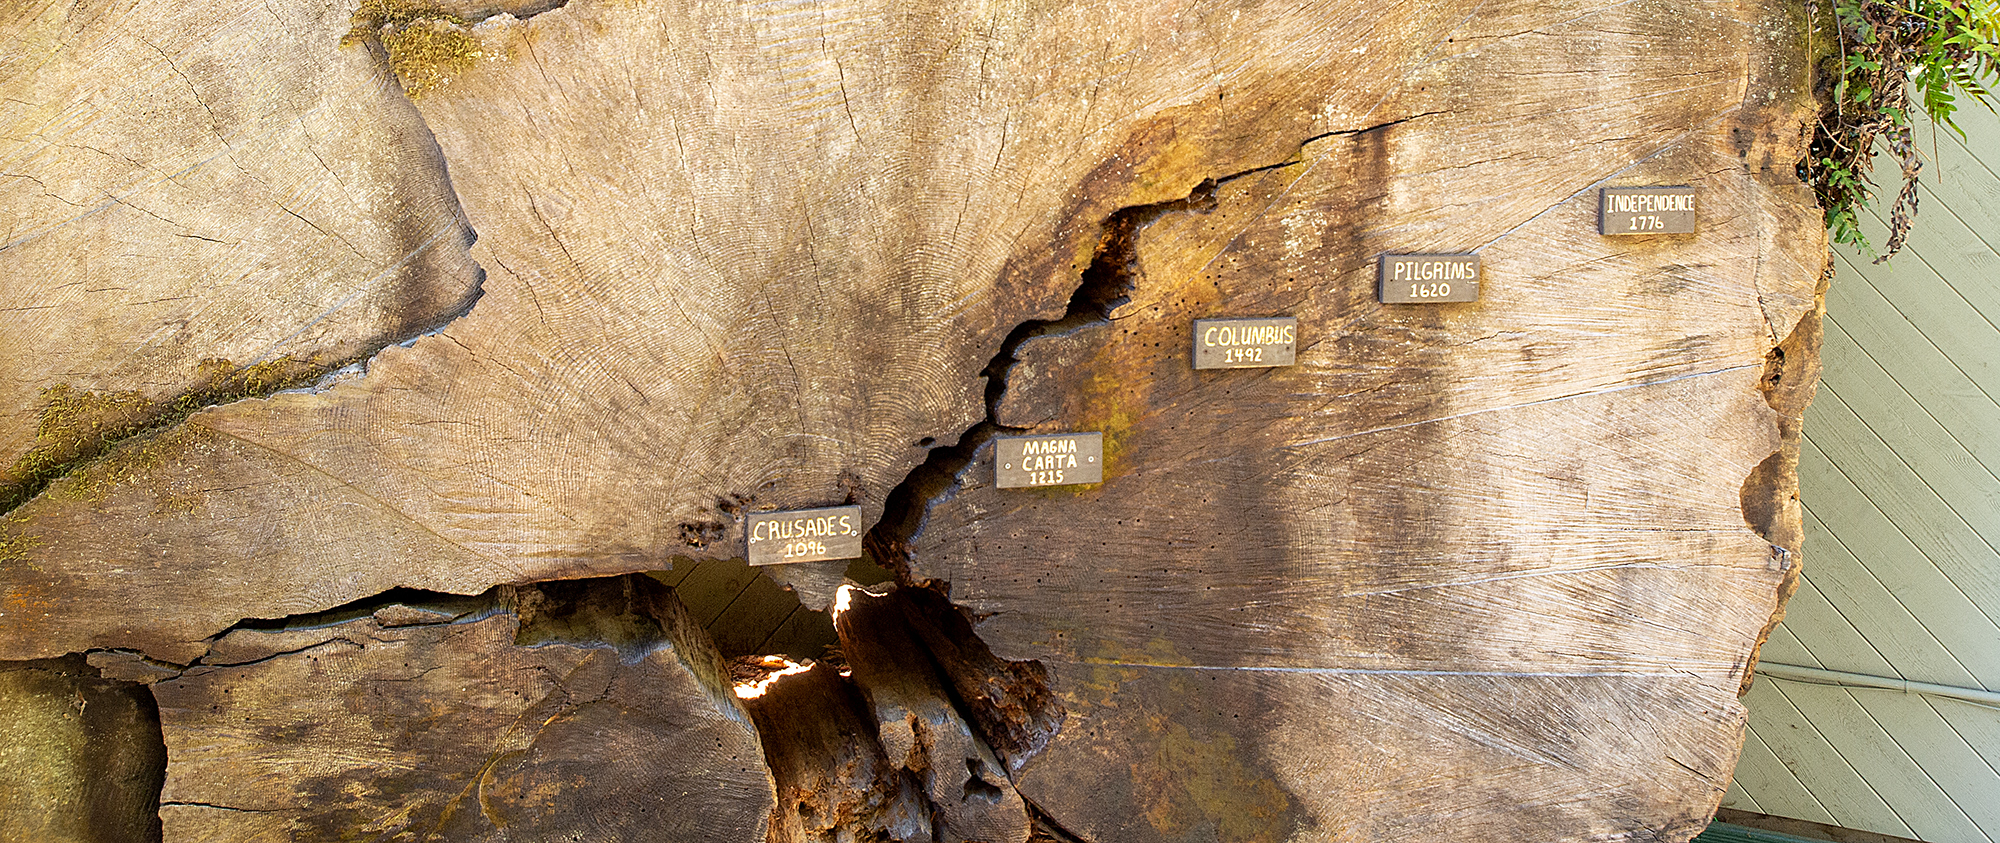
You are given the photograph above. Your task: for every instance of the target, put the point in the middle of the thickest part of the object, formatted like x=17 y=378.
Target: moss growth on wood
x=76 y=424
x=79 y=427
x=427 y=47
x=14 y=542
x=137 y=461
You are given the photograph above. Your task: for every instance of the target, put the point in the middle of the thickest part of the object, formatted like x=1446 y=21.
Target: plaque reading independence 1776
x=804 y=535
x=1245 y=343
x=1426 y=279
x=1060 y=459
x=1645 y=210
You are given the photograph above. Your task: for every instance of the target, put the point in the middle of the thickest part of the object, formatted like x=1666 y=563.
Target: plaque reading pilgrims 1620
x=1245 y=343
x=1645 y=210
x=804 y=535
x=1424 y=279
x=1061 y=459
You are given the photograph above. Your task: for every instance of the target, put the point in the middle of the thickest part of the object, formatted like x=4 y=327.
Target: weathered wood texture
x=834 y=780
x=922 y=731
x=1487 y=538
x=1475 y=570
x=183 y=183
x=693 y=270
x=80 y=755
x=549 y=720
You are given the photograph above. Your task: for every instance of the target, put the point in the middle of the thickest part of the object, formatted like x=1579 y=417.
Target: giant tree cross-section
x=339 y=416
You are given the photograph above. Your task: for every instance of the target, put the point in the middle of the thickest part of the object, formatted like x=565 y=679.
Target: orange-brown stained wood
x=834 y=781
x=921 y=729
x=732 y=260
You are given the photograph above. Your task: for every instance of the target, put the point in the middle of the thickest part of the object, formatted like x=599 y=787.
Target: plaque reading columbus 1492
x=1245 y=343
x=1426 y=279
x=804 y=535
x=1060 y=459
x=1645 y=210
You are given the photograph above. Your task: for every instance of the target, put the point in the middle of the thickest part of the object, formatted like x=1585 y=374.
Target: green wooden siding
x=1900 y=476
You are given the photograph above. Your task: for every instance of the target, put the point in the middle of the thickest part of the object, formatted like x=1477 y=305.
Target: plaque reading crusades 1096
x=1060 y=459
x=1426 y=279
x=1645 y=210
x=1245 y=343
x=804 y=535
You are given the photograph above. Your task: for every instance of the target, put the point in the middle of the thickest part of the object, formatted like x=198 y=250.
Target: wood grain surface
x=1493 y=569
x=454 y=730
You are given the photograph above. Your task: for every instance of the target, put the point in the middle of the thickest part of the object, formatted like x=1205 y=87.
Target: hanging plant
x=1886 y=52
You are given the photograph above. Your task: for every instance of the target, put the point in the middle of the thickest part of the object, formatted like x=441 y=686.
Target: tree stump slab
x=1492 y=569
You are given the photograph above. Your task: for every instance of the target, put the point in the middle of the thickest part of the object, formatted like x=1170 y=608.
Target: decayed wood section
x=408 y=727
x=1493 y=569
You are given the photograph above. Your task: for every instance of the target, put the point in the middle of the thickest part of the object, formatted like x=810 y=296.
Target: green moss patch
x=79 y=427
x=427 y=47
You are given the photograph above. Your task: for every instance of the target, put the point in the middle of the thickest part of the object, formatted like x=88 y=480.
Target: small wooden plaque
x=1060 y=459
x=1428 y=279
x=804 y=535
x=1646 y=210
x=1245 y=343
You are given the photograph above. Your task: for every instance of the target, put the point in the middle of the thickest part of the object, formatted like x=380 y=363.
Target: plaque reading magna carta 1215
x=1427 y=279
x=1245 y=343
x=1060 y=459
x=804 y=535
x=1645 y=210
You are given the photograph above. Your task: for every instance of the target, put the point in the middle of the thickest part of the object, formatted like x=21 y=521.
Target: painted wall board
x=1963 y=562
x=1900 y=477
x=1837 y=644
x=1945 y=392
x=1924 y=452
x=1890 y=771
x=1877 y=603
x=1802 y=748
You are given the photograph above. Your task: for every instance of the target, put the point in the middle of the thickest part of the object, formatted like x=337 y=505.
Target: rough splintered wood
x=80 y=755
x=170 y=193
x=920 y=728
x=455 y=731
x=835 y=783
